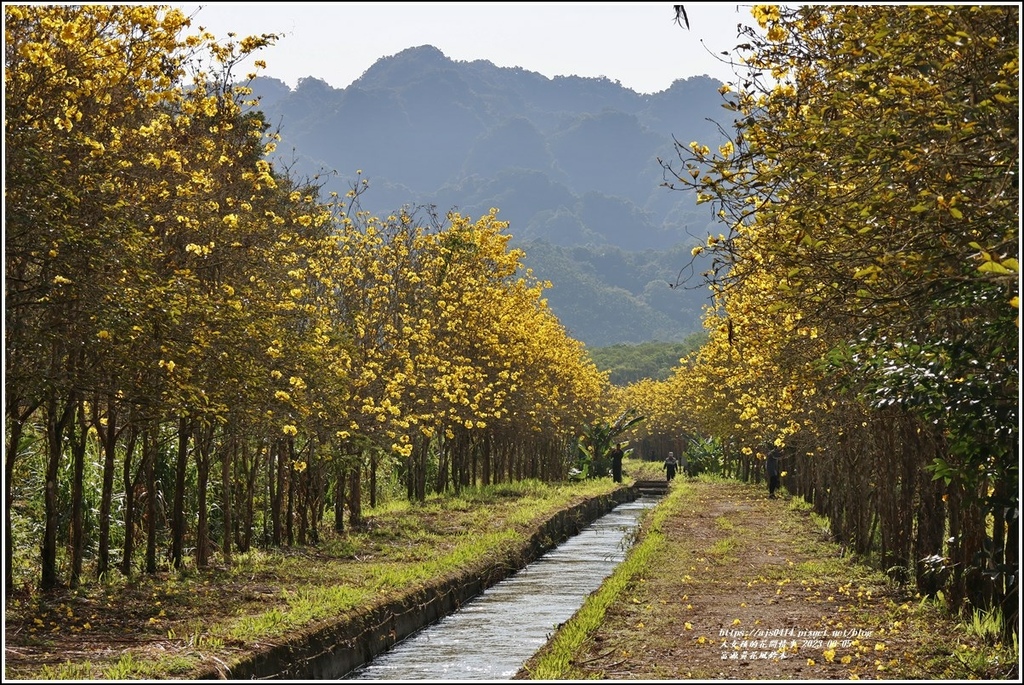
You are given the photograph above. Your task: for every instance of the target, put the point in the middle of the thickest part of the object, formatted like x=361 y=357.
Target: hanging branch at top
x=681 y=16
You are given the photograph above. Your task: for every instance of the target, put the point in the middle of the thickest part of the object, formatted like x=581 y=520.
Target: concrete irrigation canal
x=492 y=635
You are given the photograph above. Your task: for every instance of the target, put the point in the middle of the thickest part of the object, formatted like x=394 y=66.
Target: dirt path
x=746 y=587
x=736 y=586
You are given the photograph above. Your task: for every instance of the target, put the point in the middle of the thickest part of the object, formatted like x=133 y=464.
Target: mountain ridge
x=572 y=163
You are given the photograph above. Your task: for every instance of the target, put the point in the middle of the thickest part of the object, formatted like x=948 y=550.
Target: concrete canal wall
x=328 y=652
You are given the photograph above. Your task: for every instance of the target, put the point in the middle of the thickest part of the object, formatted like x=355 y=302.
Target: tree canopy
x=866 y=277
x=175 y=303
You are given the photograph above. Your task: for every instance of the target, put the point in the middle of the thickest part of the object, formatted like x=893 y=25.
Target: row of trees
x=867 y=285
x=201 y=353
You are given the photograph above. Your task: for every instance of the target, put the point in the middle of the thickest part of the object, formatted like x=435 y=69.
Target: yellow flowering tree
x=871 y=221
x=157 y=267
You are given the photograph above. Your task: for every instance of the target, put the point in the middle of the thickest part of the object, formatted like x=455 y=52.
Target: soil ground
x=740 y=587
x=744 y=587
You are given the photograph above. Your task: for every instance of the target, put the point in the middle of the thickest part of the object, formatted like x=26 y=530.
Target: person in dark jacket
x=670 y=467
x=773 y=471
x=616 y=454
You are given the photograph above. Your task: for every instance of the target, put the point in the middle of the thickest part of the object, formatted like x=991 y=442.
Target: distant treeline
x=653 y=360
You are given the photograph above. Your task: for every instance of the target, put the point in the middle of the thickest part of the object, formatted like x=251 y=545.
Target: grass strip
x=554 y=661
x=166 y=625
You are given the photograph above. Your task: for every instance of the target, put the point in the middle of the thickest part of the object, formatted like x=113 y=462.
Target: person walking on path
x=773 y=471
x=670 y=467
x=616 y=455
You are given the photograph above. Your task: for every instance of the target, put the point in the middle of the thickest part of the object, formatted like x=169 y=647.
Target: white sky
x=637 y=44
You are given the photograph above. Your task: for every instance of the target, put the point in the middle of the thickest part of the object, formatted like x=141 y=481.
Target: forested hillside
x=627 y=363
x=571 y=163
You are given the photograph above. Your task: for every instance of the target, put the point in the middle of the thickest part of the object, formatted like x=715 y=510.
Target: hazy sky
x=637 y=44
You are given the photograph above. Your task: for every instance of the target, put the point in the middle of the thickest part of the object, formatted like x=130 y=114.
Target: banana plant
x=703 y=455
x=597 y=440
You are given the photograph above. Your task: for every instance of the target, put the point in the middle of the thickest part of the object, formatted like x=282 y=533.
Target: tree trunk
x=473 y=463
x=178 y=506
x=1011 y=575
x=931 y=534
x=251 y=464
x=277 y=490
x=226 y=500
x=486 y=477
x=339 y=498
x=316 y=492
x=441 y=483
x=77 y=529
x=301 y=480
x=355 y=496
x=410 y=477
x=129 y=501
x=421 y=455
x=458 y=461
x=56 y=422
x=373 y=479
x=204 y=445
x=290 y=516
x=150 y=449
x=17 y=423
x=108 y=436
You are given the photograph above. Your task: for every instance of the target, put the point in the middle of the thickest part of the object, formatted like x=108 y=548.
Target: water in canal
x=495 y=633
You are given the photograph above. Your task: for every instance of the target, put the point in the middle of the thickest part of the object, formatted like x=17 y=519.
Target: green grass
x=987 y=625
x=554 y=661
x=819 y=573
x=723 y=548
x=414 y=560
x=267 y=595
x=67 y=671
